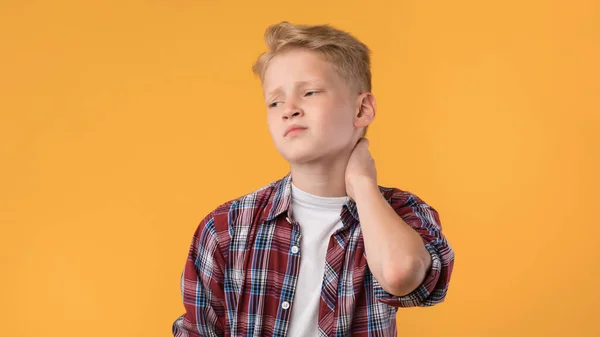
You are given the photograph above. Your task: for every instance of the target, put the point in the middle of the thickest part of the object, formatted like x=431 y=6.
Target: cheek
x=339 y=119
x=271 y=123
x=333 y=130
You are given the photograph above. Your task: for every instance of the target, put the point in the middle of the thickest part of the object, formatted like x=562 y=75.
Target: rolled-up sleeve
x=425 y=220
x=202 y=286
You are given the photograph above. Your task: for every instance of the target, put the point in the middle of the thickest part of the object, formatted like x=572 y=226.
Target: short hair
x=349 y=56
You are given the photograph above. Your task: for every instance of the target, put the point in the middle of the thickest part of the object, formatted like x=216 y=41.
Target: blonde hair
x=349 y=56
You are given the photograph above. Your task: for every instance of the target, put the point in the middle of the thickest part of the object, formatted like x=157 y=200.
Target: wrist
x=363 y=187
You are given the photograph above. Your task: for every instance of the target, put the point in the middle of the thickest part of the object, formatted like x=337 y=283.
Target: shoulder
x=245 y=210
x=397 y=196
x=401 y=199
x=411 y=208
x=249 y=207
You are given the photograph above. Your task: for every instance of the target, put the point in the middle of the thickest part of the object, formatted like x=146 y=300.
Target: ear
x=365 y=110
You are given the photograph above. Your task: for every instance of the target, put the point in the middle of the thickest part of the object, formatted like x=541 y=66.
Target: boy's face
x=302 y=89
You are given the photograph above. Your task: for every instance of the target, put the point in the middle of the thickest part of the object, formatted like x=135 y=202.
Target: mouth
x=294 y=131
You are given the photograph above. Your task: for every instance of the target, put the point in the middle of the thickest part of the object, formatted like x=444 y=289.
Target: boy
x=324 y=251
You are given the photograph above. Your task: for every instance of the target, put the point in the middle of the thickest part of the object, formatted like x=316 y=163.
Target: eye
x=274 y=104
x=310 y=93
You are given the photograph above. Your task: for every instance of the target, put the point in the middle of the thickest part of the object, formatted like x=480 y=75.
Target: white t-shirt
x=319 y=218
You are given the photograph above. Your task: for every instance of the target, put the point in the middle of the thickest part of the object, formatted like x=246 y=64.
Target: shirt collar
x=280 y=201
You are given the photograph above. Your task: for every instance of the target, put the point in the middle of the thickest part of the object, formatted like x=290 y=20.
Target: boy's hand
x=361 y=168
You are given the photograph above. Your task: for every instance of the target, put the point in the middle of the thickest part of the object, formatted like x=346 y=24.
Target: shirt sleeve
x=425 y=220
x=202 y=286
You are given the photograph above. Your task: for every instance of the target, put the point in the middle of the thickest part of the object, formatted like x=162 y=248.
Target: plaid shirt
x=240 y=275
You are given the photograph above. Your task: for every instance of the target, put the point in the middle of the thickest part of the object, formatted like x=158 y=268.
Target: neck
x=323 y=179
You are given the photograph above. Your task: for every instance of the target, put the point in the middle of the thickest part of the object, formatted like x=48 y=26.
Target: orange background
x=124 y=122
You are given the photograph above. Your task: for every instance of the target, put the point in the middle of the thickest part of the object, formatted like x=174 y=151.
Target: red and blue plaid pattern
x=240 y=275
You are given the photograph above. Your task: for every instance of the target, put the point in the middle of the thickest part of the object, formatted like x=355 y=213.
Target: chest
x=263 y=269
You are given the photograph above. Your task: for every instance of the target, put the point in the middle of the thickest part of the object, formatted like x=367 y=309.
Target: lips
x=293 y=128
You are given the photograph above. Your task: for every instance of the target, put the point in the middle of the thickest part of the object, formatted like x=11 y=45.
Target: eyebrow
x=278 y=90
x=274 y=92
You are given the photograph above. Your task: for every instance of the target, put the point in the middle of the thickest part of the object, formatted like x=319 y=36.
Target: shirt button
x=295 y=249
x=285 y=305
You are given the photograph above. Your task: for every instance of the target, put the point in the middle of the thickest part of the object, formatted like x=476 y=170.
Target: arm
x=202 y=286
x=407 y=253
x=397 y=256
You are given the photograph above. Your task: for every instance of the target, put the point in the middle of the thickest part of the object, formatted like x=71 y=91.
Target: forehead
x=298 y=66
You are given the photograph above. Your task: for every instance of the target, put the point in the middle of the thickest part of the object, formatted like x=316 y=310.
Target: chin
x=297 y=156
x=305 y=152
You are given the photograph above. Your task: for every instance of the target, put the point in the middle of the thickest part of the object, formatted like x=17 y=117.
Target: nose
x=292 y=110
